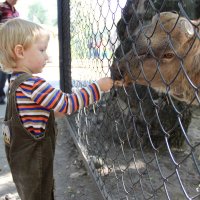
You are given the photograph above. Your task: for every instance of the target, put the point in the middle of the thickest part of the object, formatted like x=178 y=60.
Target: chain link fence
x=142 y=140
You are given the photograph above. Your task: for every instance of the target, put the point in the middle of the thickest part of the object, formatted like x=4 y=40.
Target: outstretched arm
x=45 y=95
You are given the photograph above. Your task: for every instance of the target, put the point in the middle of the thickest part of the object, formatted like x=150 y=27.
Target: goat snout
x=117 y=73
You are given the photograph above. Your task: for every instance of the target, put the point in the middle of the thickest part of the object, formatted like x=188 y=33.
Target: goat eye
x=168 y=55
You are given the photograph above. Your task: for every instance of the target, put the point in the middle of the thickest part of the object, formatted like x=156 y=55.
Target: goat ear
x=187 y=28
x=196 y=22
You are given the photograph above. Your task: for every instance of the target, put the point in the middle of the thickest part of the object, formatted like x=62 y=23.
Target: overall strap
x=11 y=94
x=20 y=79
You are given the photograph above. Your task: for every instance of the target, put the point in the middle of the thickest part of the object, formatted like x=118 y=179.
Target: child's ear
x=19 y=51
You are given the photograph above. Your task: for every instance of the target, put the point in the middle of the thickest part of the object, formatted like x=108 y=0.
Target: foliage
x=80 y=29
x=37 y=13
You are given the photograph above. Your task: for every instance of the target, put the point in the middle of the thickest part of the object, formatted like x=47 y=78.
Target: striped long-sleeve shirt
x=36 y=97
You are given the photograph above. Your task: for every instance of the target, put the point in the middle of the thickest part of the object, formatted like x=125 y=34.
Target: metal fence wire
x=142 y=140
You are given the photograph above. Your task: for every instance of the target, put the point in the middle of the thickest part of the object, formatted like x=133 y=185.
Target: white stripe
x=61 y=102
x=69 y=109
x=28 y=125
x=28 y=113
x=91 y=98
x=39 y=89
x=80 y=99
x=99 y=90
x=30 y=83
x=24 y=101
x=28 y=94
x=48 y=98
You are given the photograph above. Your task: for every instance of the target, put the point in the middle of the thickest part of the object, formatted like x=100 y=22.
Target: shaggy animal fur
x=165 y=55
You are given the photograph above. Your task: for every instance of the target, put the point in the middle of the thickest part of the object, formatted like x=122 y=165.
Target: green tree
x=37 y=13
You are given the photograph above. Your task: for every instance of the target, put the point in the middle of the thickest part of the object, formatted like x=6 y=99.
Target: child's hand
x=105 y=84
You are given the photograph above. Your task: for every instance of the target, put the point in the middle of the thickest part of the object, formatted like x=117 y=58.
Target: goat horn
x=187 y=28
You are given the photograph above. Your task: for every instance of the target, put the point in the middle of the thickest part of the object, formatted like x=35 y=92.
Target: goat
x=165 y=55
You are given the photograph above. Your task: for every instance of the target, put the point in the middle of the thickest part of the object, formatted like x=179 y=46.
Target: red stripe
x=95 y=91
x=29 y=106
x=26 y=87
x=35 y=118
x=66 y=107
x=55 y=101
x=37 y=83
x=20 y=94
x=39 y=131
x=86 y=97
x=75 y=102
x=44 y=94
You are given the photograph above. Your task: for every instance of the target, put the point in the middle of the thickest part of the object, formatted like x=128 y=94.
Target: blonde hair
x=17 y=32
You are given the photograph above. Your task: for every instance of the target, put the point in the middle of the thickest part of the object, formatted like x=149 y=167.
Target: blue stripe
x=36 y=121
x=50 y=102
x=34 y=109
x=73 y=106
x=34 y=79
x=26 y=90
x=22 y=97
x=84 y=100
x=42 y=92
x=93 y=92
x=63 y=107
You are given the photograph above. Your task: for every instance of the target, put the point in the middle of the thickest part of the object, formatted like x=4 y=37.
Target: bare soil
x=74 y=183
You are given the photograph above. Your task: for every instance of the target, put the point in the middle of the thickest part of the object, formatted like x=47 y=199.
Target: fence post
x=64 y=45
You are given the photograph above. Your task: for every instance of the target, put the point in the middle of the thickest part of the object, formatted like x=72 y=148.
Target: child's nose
x=46 y=57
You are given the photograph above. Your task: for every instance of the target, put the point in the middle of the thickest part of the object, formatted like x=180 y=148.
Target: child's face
x=35 y=57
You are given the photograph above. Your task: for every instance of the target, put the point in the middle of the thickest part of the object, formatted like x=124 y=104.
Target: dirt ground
x=72 y=180
x=74 y=183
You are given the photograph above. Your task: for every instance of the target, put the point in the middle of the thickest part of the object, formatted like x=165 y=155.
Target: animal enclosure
x=142 y=140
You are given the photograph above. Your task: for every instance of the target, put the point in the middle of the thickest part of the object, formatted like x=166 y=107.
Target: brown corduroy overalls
x=30 y=159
